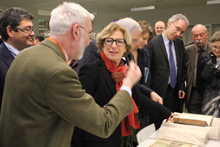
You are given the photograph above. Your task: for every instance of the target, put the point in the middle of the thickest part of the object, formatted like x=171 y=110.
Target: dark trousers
x=195 y=102
x=170 y=101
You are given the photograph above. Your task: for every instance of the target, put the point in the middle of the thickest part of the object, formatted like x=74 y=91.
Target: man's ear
x=169 y=23
x=75 y=31
x=9 y=31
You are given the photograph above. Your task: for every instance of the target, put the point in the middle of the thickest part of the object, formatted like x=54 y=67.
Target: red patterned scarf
x=118 y=74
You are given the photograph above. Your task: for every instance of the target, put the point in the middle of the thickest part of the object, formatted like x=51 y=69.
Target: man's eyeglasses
x=110 y=41
x=216 y=47
x=178 y=29
x=27 y=29
x=135 y=40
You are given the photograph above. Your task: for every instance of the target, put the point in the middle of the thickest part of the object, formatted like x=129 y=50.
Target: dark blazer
x=190 y=64
x=43 y=102
x=6 y=59
x=143 y=62
x=159 y=66
x=97 y=81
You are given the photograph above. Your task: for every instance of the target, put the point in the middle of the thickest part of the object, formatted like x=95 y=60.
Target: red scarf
x=118 y=74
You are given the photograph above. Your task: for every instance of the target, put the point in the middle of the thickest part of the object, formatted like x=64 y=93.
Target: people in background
x=16 y=29
x=37 y=39
x=103 y=78
x=167 y=64
x=159 y=27
x=43 y=99
x=211 y=76
x=194 y=54
x=92 y=36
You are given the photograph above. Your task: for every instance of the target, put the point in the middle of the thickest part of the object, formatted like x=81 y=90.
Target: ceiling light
x=143 y=8
x=213 y=2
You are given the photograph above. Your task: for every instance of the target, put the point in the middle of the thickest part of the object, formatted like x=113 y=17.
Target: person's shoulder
x=190 y=47
x=2 y=48
x=92 y=46
x=95 y=65
x=144 y=51
x=156 y=38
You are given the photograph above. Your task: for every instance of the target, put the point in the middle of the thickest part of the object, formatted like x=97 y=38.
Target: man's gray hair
x=130 y=24
x=177 y=17
x=65 y=15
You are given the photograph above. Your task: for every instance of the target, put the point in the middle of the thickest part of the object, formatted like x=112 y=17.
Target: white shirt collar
x=12 y=49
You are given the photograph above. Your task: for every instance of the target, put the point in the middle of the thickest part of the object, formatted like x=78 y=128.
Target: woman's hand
x=171 y=117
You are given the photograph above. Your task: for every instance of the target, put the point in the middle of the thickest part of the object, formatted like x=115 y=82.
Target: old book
x=193 y=119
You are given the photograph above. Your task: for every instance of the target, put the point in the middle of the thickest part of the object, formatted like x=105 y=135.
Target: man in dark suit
x=43 y=99
x=167 y=64
x=195 y=88
x=16 y=29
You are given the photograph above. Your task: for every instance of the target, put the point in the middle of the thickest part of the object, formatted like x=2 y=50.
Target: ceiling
x=104 y=6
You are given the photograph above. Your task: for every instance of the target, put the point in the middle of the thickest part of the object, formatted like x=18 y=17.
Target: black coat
x=97 y=81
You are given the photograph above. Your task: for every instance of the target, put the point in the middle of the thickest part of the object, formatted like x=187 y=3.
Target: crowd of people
x=73 y=89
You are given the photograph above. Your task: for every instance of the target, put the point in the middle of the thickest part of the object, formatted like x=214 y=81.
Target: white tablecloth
x=149 y=141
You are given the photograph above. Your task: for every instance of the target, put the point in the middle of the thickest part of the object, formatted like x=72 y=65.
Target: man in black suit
x=167 y=64
x=16 y=29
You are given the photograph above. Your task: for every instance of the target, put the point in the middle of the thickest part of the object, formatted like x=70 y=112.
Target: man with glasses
x=167 y=64
x=43 y=98
x=194 y=54
x=16 y=29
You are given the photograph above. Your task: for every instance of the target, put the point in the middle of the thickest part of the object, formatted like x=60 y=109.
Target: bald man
x=194 y=54
x=159 y=27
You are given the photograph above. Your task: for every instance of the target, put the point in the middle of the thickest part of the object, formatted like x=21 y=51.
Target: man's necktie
x=172 y=67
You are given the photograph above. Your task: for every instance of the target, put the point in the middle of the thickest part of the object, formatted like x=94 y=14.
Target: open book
x=193 y=119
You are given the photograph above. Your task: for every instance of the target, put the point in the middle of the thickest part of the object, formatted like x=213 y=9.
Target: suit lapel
x=177 y=52
x=107 y=77
x=163 y=48
x=192 y=56
x=8 y=57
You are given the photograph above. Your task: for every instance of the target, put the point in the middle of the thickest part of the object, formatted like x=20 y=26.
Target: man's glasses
x=27 y=29
x=110 y=41
x=135 y=40
x=178 y=29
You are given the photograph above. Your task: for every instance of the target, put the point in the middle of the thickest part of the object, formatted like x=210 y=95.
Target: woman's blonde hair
x=146 y=27
x=108 y=30
x=215 y=37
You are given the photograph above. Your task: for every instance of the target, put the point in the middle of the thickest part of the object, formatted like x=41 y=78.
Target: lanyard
x=59 y=46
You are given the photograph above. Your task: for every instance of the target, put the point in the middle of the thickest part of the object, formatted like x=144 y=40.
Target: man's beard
x=82 y=46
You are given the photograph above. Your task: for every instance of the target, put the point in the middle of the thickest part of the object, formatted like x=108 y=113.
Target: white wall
x=207 y=15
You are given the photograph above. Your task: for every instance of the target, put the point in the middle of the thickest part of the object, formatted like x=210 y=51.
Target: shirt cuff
x=126 y=88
